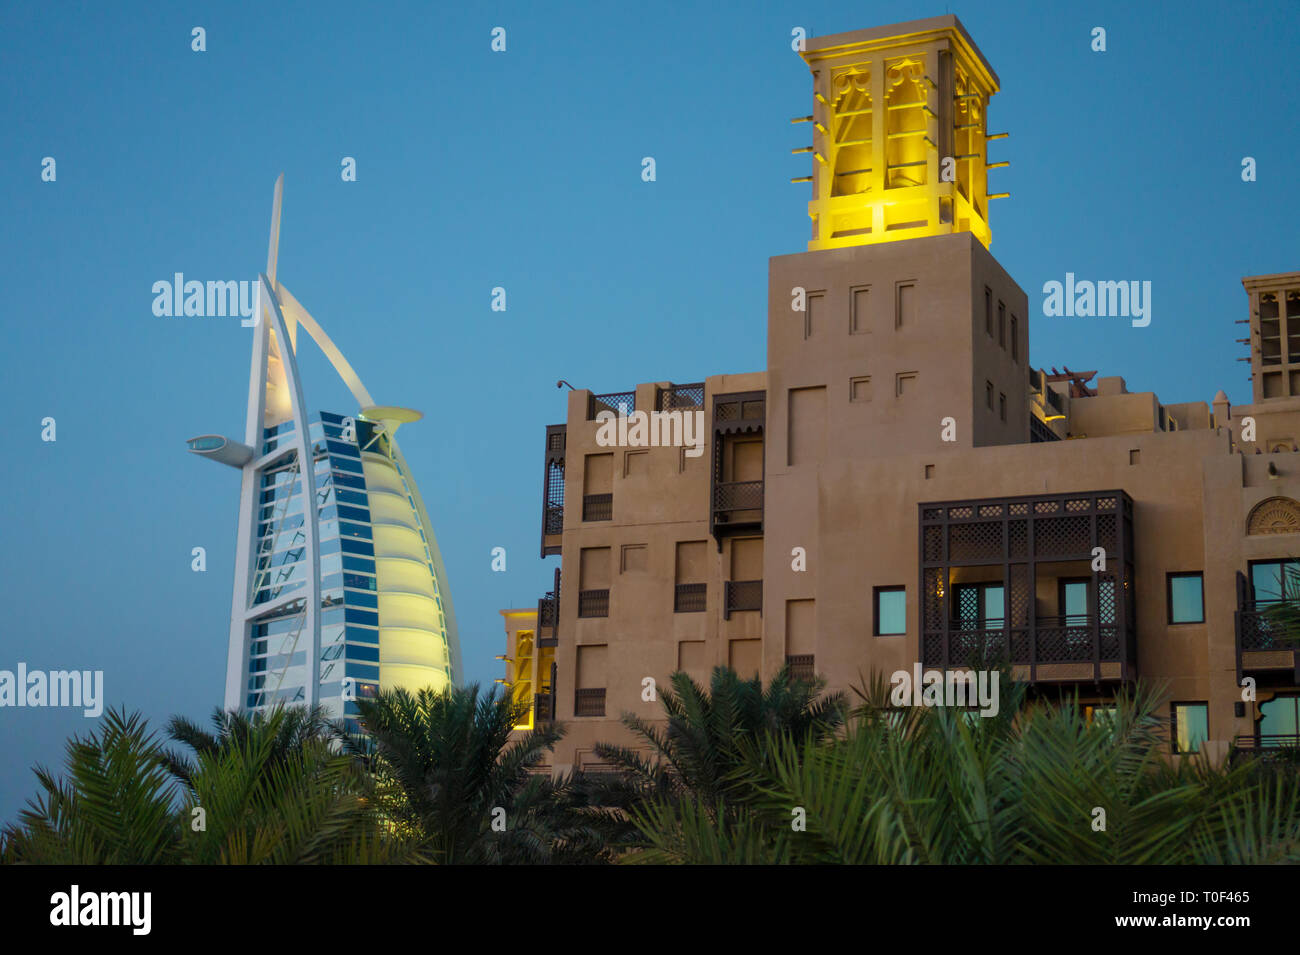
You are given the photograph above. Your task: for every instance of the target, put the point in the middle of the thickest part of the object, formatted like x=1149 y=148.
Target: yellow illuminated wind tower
x=899 y=134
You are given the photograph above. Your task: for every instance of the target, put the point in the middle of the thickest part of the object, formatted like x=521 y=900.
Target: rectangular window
x=1072 y=600
x=978 y=606
x=890 y=611
x=1015 y=338
x=1002 y=406
x=988 y=311
x=1186 y=598
x=1002 y=325
x=1189 y=726
x=1274 y=580
x=1279 y=722
x=988 y=394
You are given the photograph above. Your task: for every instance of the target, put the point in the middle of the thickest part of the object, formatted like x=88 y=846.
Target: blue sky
x=518 y=169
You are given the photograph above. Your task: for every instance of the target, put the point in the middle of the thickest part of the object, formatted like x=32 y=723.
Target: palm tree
x=449 y=775
x=275 y=788
x=1034 y=784
x=293 y=728
x=116 y=806
x=264 y=789
x=697 y=760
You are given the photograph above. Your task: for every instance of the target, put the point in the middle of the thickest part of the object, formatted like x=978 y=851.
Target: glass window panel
x=343 y=448
x=1280 y=721
x=993 y=605
x=362 y=635
x=1185 y=599
x=361 y=616
x=891 y=611
x=362 y=671
x=1192 y=723
x=360 y=564
x=1074 y=602
x=1275 y=579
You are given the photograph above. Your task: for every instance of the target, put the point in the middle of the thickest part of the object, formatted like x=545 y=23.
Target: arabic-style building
x=898 y=485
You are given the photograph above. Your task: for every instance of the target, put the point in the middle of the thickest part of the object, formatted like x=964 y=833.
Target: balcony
x=690 y=598
x=742 y=595
x=548 y=616
x=1012 y=580
x=736 y=506
x=553 y=489
x=1268 y=637
x=593 y=603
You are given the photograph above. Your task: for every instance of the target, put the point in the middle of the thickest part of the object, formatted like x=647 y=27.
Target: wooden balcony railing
x=619 y=402
x=589 y=702
x=1049 y=640
x=737 y=496
x=1268 y=635
x=742 y=595
x=593 y=603
x=598 y=507
x=680 y=397
x=690 y=598
x=1262 y=625
x=801 y=667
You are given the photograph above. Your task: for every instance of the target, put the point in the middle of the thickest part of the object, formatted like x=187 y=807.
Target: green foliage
x=115 y=807
x=932 y=786
x=737 y=774
x=268 y=789
x=447 y=771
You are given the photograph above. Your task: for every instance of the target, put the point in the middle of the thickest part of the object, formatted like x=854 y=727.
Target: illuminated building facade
x=899 y=485
x=339 y=586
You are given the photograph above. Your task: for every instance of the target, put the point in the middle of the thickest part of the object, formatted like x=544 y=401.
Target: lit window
x=1190 y=726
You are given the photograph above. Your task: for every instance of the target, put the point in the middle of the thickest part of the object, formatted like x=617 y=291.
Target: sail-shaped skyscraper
x=339 y=586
